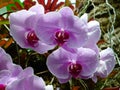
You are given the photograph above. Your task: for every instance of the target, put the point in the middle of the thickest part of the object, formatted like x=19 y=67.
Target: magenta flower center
x=75 y=69
x=32 y=38
x=61 y=37
x=2 y=87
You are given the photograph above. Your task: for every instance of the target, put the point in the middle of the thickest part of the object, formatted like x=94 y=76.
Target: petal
x=16 y=85
x=94 y=78
x=94 y=31
x=4 y=76
x=38 y=83
x=80 y=25
x=72 y=50
x=76 y=39
x=84 y=18
x=106 y=54
x=50 y=19
x=107 y=62
x=64 y=80
x=26 y=72
x=38 y=8
x=5 y=59
x=18 y=33
x=86 y=77
x=58 y=62
x=27 y=83
x=102 y=69
x=19 y=17
x=88 y=60
x=67 y=17
x=31 y=21
x=66 y=11
x=92 y=46
x=43 y=48
x=15 y=69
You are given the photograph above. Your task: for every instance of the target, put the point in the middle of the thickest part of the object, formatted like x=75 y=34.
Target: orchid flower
x=106 y=64
x=62 y=29
x=7 y=68
x=22 y=29
x=13 y=77
x=93 y=32
x=64 y=64
x=26 y=80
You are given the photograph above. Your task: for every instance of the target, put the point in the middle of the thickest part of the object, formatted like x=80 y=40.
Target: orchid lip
x=75 y=69
x=61 y=37
x=32 y=39
x=2 y=87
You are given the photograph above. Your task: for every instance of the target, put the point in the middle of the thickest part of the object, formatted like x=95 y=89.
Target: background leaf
x=4 y=3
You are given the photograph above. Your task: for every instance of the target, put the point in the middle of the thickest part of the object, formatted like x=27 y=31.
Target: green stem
x=104 y=84
x=112 y=21
x=84 y=8
x=83 y=84
x=71 y=84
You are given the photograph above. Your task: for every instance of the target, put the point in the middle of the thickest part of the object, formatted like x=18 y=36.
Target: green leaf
x=4 y=22
x=3 y=10
x=13 y=5
x=4 y=3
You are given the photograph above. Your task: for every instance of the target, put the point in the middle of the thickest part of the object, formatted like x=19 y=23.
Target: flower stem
x=71 y=84
x=83 y=84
